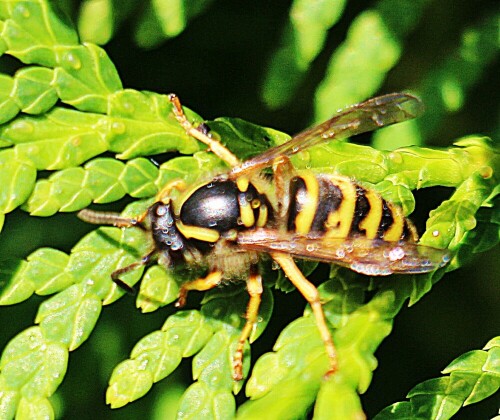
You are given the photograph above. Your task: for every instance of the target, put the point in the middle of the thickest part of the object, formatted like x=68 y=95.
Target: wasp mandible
x=229 y=222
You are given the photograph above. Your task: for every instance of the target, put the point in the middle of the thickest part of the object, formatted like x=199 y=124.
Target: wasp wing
x=366 y=256
x=360 y=118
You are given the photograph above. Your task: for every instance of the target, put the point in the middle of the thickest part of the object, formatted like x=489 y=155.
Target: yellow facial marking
x=308 y=203
x=196 y=232
x=371 y=221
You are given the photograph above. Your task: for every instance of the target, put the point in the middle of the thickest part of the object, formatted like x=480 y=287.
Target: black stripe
x=330 y=198
x=361 y=210
x=386 y=220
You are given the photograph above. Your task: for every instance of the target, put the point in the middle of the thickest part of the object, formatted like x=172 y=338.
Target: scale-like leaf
x=473 y=377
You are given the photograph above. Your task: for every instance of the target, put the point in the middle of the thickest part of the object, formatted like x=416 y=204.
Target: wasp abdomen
x=335 y=206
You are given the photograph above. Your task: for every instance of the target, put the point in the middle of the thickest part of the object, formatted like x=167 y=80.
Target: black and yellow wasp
x=228 y=222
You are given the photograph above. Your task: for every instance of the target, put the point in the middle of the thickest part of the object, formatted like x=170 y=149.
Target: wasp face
x=164 y=230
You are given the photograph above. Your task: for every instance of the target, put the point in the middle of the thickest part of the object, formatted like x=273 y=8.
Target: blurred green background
x=221 y=64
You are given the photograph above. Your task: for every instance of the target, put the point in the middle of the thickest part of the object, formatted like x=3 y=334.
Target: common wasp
x=229 y=222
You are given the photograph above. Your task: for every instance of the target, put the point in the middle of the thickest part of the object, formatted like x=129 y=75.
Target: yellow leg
x=254 y=287
x=164 y=193
x=282 y=168
x=202 y=284
x=215 y=146
x=311 y=294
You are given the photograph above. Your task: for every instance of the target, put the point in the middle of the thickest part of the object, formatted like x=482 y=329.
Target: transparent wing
x=360 y=118
x=365 y=256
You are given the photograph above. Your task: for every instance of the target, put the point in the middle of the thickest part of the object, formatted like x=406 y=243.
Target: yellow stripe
x=197 y=232
x=308 y=204
x=242 y=183
x=263 y=214
x=339 y=221
x=396 y=229
x=371 y=221
x=246 y=214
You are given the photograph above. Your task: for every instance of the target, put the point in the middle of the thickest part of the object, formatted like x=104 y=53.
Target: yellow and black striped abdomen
x=337 y=207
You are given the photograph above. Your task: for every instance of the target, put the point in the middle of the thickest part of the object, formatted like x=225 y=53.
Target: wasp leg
x=254 y=287
x=164 y=194
x=201 y=135
x=206 y=283
x=282 y=168
x=311 y=294
x=120 y=283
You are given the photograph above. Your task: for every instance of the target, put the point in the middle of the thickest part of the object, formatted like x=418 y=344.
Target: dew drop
x=23 y=127
x=143 y=365
x=310 y=247
x=22 y=11
x=377 y=119
x=128 y=107
x=118 y=128
x=435 y=233
x=396 y=254
x=73 y=61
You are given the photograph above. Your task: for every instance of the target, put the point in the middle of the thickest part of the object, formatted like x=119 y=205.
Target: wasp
x=229 y=222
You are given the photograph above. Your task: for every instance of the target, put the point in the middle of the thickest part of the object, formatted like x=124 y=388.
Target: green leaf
x=33 y=91
x=96 y=21
x=86 y=77
x=101 y=180
x=129 y=381
x=103 y=251
x=302 y=40
x=32 y=30
x=17 y=178
x=162 y=20
x=70 y=316
x=245 y=139
x=155 y=356
x=202 y=401
x=46 y=269
x=36 y=408
x=158 y=288
x=337 y=400
x=473 y=377
x=8 y=106
x=32 y=364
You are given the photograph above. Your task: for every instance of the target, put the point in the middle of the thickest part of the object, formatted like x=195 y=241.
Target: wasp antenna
x=106 y=218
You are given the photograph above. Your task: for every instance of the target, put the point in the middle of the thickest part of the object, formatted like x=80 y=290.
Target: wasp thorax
x=221 y=205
